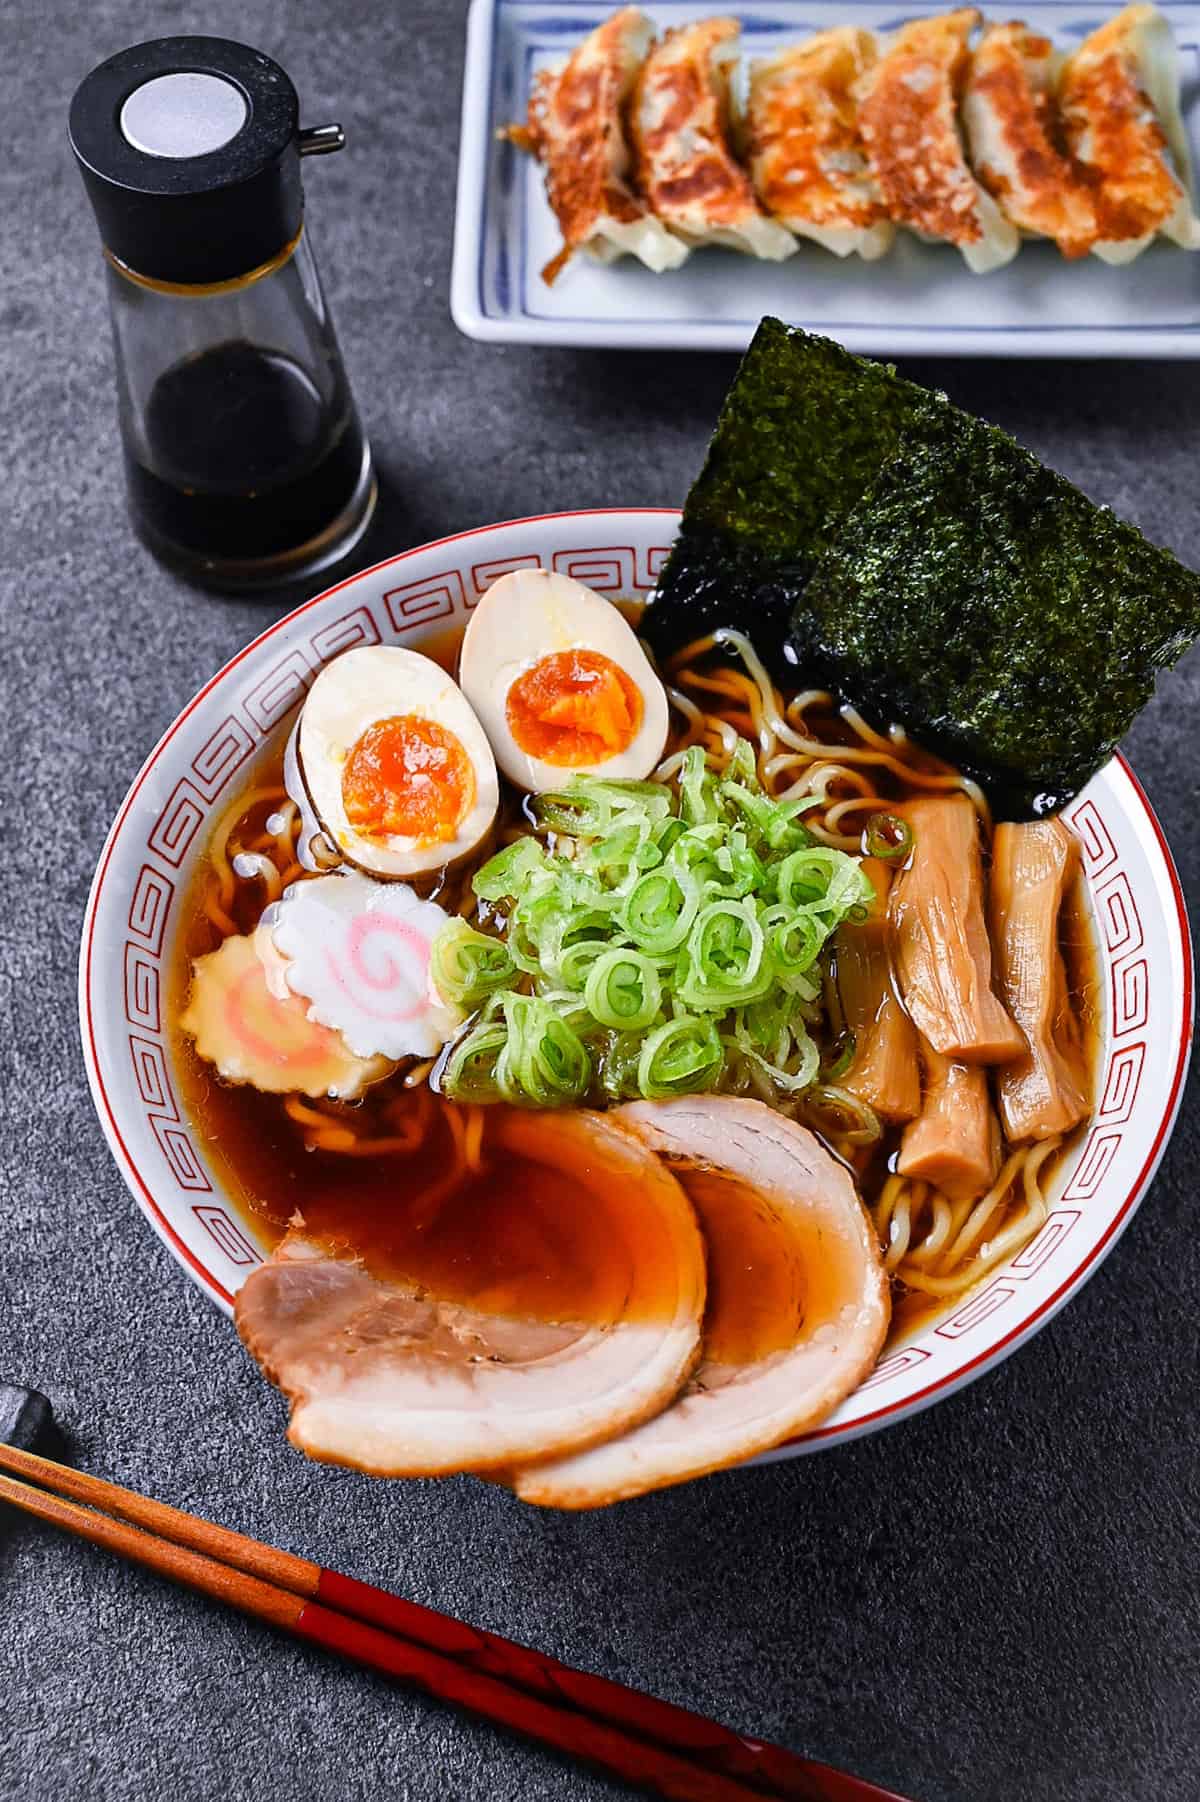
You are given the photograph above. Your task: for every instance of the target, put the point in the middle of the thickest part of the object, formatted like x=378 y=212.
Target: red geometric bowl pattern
x=1144 y=947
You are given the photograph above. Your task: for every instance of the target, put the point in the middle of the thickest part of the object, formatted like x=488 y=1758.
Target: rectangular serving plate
x=921 y=300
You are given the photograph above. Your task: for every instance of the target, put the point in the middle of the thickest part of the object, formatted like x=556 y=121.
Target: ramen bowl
x=1142 y=947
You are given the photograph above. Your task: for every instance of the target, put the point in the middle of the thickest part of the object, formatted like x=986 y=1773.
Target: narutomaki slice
x=385 y=1377
x=1044 y=1092
x=955 y=1141
x=943 y=956
x=798 y=1301
x=885 y=1071
x=246 y=1021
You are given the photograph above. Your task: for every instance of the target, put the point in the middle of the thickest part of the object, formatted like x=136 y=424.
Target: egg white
x=533 y=613
x=358 y=689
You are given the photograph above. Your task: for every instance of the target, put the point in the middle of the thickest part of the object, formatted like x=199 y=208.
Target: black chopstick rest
x=25 y=1416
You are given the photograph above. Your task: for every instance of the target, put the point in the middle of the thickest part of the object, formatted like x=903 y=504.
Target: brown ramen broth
x=415 y=1183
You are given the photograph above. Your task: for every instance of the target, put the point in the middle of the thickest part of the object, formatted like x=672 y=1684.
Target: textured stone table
x=995 y=1602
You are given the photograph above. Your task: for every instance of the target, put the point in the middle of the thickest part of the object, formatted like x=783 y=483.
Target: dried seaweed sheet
x=1012 y=625
x=803 y=433
x=925 y=567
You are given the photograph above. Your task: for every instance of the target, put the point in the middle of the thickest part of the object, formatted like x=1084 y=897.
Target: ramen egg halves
x=560 y=683
x=396 y=765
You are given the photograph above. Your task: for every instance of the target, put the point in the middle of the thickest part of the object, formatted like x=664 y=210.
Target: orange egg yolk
x=408 y=778
x=574 y=707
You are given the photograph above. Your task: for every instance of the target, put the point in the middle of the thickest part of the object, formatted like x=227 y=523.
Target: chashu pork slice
x=575 y=128
x=798 y=1301
x=385 y=1377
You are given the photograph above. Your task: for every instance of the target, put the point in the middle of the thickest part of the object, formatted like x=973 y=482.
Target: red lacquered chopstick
x=647 y=1742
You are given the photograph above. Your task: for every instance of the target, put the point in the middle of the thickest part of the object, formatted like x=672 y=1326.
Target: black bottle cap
x=189 y=148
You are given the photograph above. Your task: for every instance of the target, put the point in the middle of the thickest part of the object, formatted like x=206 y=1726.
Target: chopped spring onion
x=470 y=1073
x=505 y=873
x=665 y=939
x=840 y=1114
x=681 y=1057
x=842 y=1059
x=623 y=990
x=725 y=965
x=658 y=911
x=592 y=807
x=544 y=1061
x=619 y=1065
x=467 y=966
x=886 y=835
x=575 y=963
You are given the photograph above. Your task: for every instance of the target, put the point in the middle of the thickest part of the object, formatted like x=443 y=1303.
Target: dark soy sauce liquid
x=246 y=458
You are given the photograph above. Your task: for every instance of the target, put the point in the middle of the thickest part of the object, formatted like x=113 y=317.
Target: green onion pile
x=663 y=940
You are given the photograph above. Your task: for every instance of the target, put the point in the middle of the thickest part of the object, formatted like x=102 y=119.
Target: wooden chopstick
x=654 y=1744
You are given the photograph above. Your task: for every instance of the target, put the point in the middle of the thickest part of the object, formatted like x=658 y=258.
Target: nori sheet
x=1008 y=622
x=870 y=536
x=803 y=433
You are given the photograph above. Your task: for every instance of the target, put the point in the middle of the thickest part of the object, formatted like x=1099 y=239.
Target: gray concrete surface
x=996 y=1602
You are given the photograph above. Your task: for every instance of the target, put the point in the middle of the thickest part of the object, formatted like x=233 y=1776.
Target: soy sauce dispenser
x=245 y=459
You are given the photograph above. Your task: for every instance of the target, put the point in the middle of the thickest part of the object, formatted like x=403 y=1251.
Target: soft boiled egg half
x=560 y=683
x=397 y=767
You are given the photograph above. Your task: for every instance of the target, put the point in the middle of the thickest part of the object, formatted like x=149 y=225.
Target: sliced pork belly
x=798 y=1301
x=684 y=165
x=386 y=1377
x=908 y=117
x=885 y=1071
x=954 y=1143
x=943 y=955
x=1045 y=1091
x=575 y=129
x=1013 y=134
x=806 y=152
x=1119 y=99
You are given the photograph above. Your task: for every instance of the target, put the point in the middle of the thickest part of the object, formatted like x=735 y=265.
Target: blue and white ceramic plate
x=920 y=300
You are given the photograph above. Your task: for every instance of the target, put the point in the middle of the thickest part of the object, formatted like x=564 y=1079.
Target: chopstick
x=654 y=1745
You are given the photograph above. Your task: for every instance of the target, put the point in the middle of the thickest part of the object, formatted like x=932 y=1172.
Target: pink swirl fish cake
x=358 y=952
x=257 y=1031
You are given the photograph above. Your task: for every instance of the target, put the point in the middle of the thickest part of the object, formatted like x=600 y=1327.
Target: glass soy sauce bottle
x=245 y=460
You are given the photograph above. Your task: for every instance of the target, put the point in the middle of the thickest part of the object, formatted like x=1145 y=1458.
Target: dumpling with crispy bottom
x=907 y=113
x=1119 y=99
x=680 y=120
x=575 y=129
x=1013 y=132
x=806 y=153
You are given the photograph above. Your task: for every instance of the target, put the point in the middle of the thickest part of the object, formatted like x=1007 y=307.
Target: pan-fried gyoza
x=961 y=131
x=684 y=166
x=804 y=145
x=574 y=128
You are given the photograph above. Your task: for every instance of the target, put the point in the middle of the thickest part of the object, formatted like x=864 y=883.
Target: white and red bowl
x=133 y=915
